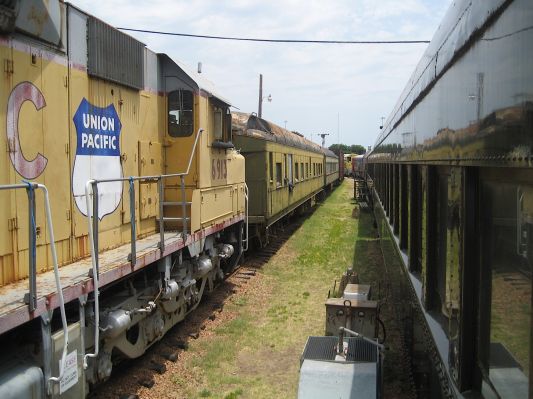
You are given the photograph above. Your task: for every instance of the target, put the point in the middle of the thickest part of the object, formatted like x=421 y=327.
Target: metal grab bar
x=91 y=187
x=343 y=330
x=154 y=179
x=157 y=177
x=246 y=197
x=58 y=286
x=94 y=262
x=30 y=187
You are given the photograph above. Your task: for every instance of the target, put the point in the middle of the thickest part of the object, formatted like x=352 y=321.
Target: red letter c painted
x=23 y=92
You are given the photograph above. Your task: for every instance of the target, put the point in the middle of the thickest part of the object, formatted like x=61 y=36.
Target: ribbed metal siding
x=113 y=55
x=325 y=348
x=320 y=348
x=360 y=350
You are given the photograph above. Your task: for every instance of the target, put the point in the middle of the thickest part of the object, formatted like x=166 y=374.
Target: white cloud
x=310 y=83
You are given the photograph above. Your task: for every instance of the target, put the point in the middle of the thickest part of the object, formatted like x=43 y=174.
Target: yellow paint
x=145 y=147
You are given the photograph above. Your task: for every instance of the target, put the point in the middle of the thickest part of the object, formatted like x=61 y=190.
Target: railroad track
x=130 y=375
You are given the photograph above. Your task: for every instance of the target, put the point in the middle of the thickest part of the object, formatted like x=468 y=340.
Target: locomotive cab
x=214 y=186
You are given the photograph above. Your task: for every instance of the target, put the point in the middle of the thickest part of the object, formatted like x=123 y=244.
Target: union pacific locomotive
x=122 y=197
x=452 y=180
x=123 y=200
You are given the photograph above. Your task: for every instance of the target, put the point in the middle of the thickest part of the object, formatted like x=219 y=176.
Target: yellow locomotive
x=144 y=197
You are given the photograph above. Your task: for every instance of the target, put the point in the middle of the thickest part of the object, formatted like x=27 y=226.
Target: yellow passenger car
x=283 y=170
x=331 y=168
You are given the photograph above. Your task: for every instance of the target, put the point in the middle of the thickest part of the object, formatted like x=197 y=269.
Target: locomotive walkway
x=246 y=339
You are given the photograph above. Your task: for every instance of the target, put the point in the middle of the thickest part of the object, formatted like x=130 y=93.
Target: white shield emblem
x=97 y=156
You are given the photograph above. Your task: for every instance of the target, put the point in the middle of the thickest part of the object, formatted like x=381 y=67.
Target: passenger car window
x=180 y=113
x=279 y=178
x=271 y=166
x=508 y=244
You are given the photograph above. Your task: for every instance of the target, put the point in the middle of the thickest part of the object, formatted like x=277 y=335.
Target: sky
x=338 y=89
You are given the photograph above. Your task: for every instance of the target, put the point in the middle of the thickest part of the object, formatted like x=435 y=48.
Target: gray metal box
x=360 y=292
x=359 y=316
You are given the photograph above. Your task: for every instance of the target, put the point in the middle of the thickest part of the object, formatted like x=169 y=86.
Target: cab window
x=180 y=113
x=218 y=128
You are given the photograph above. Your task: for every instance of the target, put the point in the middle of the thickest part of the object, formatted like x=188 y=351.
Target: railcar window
x=279 y=178
x=442 y=240
x=180 y=113
x=437 y=243
x=404 y=204
x=415 y=220
x=296 y=172
x=396 y=199
x=507 y=253
x=289 y=165
x=286 y=166
x=307 y=170
x=302 y=170
x=271 y=166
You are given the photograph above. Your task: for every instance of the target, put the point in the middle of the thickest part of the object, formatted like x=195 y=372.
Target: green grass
x=256 y=355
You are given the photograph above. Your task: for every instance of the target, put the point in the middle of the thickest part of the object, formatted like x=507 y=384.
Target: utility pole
x=338 y=130
x=261 y=98
x=323 y=135
x=260 y=109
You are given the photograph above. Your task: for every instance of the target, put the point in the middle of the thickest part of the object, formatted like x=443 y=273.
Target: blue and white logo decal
x=97 y=156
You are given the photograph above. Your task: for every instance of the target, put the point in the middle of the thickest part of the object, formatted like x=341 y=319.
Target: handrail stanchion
x=133 y=221
x=161 y=216
x=94 y=189
x=31 y=298
x=32 y=295
x=58 y=286
x=94 y=260
x=246 y=197
x=183 y=208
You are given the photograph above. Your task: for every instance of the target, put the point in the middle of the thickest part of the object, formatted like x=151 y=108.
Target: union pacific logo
x=97 y=156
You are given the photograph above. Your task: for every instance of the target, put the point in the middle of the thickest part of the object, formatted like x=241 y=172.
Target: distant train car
x=284 y=171
x=358 y=166
x=145 y=197
x=341 y=165
x=453 y=179
x=348 y=171
x=331 y=169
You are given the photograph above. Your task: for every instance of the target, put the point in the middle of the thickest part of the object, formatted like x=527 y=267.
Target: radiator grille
x=320 y=348
x=325 y=348
x=360 y=350
x=113 y=55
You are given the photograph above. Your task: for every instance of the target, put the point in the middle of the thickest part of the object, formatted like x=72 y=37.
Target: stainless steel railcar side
x=453 y=178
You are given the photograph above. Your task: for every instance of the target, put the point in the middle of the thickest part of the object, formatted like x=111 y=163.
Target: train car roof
x=245 y=124
x=173 y=67
x=462 y=21
x=199 y=82
x=329 y=153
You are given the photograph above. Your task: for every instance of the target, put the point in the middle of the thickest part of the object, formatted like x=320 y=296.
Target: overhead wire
x=249 y=39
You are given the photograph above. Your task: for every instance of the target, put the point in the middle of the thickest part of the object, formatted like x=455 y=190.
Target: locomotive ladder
x=31 y=297
x=91 y=196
